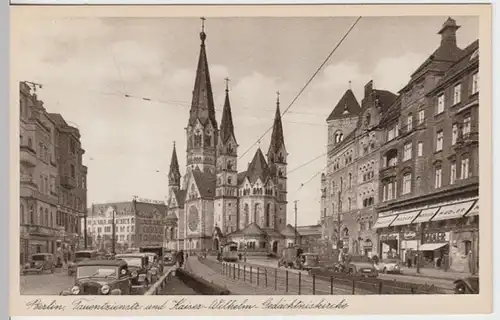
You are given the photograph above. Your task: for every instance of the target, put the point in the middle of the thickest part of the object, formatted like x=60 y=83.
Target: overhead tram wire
x=307 y=83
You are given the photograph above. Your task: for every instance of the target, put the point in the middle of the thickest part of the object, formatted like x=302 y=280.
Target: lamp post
x=113 y=234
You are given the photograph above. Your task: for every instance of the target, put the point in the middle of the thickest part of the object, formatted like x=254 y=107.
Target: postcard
x=257 y=160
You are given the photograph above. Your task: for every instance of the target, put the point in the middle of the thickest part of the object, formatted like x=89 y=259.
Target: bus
x=230 y=252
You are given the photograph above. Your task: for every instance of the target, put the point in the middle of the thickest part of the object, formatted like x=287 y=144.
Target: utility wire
x=307 y=83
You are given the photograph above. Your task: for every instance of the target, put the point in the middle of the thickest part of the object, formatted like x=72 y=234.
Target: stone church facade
x=213 y=203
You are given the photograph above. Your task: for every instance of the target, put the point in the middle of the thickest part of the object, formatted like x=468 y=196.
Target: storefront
x=435 y=247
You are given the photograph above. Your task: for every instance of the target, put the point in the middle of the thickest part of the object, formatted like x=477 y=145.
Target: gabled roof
x=347 y=107
x=272 y=233
x=205 y=181
x=121 y=208
x=309 y=230
x=241 y=177
x=289 y=231
x=180 y=196
x=252 y=230
x=258 y=168
x=202 y=105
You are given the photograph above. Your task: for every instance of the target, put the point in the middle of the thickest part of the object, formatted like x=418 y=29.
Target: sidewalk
x=236 y=287
x=435 y=273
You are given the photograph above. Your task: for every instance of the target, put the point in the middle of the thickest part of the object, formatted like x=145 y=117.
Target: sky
x=87 y=66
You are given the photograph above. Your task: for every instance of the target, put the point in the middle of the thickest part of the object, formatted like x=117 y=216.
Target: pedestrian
x=180 y=258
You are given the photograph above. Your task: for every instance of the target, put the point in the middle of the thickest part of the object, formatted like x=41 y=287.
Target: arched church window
x=208 y=139
x=229 y=165
x=268 y=215
x=197 y=139
x=246 y=214
x=256 y=212
x=230 y=149
x=280 y=158
x=368 y=118
x=228 y=180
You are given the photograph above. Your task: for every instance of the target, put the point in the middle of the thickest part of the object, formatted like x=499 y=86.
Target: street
x=45 y=284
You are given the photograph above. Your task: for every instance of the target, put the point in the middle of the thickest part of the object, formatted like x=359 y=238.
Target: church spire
x=226 y=126
x=202 y=105
x=174 y=175
x=277 y=140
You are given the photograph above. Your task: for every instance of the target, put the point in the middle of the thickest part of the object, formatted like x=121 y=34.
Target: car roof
x=133 y=254
x=115 y=263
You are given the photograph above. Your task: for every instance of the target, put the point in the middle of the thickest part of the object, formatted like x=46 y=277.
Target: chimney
x=448 y=32
x=368 y=88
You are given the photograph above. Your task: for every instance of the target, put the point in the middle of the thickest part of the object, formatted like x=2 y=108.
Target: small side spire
x=226 y=126
x=174 y=175
x=203 y=35
x=277 y=138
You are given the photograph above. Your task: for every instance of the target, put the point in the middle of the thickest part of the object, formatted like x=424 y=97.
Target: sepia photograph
x=251 y=156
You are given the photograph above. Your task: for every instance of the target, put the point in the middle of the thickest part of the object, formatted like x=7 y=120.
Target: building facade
x=39 y=175
x=138 y=223
x=429 y=186
x=310 y=238
x=71 y=183
x=350 y=186
x=213 y=203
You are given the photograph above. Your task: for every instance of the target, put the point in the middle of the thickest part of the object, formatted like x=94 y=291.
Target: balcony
x=68 y=182
x=468 y=140
x=39 y=231
x=35 y=194
x=28 y=156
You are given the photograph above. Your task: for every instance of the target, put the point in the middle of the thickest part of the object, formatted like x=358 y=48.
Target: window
x=72 y=168
x=420 y=148
x=350 y=180
x=457 y=91
x=407 y=151
x=475 y=83
x=393 y=133
x=453 y=172
x=464 y=170
x=440 y=106
x=454 y=134
x=438 y=178
x=349 y=204
x=407 y=183
x=409 y=123
x=421 y=116
x=466 y=126
x=439 y=140
x=389 y=191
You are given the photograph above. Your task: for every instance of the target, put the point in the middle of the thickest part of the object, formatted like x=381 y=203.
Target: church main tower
x=201 y=131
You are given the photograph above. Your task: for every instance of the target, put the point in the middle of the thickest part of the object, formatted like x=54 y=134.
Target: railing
x=317 y=283
x=159 y=285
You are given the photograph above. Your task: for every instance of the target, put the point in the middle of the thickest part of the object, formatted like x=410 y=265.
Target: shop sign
x=436 y=237
x=386 y=237
x=410 y=235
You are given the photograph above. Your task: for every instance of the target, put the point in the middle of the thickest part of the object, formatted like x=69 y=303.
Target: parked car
x=39 y=263
x=81 y=255
x=101 y=277
x=361 y=266
x=169 y=258
x=469 y=285
x=393 y=266
x=309 y=261
x=138 y=265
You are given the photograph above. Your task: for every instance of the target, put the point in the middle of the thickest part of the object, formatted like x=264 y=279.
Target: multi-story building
x=350 y=186
x=138 y=223
x=38 y=177
x=71 y=183
x=215 y=203
x=429 y=173
x=310 y=238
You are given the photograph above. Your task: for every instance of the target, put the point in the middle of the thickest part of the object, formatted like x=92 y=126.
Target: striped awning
x=426 y=215
x=474 y=211
x=453 y=211
x=383 y=222
x=405 y=218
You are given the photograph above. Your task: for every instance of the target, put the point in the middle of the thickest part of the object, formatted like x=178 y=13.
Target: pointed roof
x=258 y=168
x=277 y=139
x=226 y=125
x=174 y=164
x=347 y=106
x=202 y=105
x=180 y=195
x=253 y=230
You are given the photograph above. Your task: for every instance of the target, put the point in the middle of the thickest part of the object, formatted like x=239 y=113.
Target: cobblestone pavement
x=45 y=284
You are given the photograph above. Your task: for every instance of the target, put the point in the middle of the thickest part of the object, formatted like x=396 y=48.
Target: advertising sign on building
x=436 y=237
x=149 y=233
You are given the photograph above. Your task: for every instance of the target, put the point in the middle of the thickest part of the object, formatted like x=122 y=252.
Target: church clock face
x=193 y=218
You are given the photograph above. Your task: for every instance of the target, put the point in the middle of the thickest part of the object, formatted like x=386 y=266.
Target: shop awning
x=474 y=211
x=453 y=211
x=383 y=222
x=431 y=246
x=405 y=218
x=425 y=215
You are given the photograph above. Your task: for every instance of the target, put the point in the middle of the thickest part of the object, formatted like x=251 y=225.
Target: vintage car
x=39 y=263
x=393 y=266
x=138 y=265
x=290 y=257
x=101 y=277
x=361 y=266
x=309 y=261
x=469 y=285
x=81 y=255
